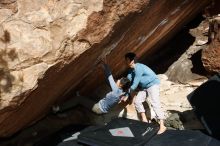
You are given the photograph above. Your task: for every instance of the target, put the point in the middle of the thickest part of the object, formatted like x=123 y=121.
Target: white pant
x=154 y=99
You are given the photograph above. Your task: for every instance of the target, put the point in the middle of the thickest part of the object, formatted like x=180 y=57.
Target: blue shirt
x=142 y=76
x=112 y=97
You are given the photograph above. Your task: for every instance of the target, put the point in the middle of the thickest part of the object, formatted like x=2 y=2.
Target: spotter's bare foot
x=162 y=129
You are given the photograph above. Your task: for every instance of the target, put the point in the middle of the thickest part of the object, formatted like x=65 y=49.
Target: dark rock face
x=140 y=26
x=188 y=66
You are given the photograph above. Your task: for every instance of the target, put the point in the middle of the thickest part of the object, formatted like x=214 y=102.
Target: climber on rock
x=118 y=89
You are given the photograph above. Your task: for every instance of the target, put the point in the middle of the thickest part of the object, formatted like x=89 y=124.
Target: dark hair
x=126 y=83
x=131 y=56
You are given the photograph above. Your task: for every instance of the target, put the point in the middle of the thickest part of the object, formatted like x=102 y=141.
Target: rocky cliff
x=49 y=48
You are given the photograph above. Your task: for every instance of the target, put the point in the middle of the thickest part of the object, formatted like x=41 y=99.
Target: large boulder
x=49 y=48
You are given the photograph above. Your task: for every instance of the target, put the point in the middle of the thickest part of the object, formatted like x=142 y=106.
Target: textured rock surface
x=47 y=49
x=211 y=54
x=36 y=42
x=183 y=70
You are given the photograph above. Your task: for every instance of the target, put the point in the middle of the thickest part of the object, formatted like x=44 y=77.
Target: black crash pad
x=70 y=143
x=168 y=138
x=183 y=138
x=101 y=136
x=119 y=132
